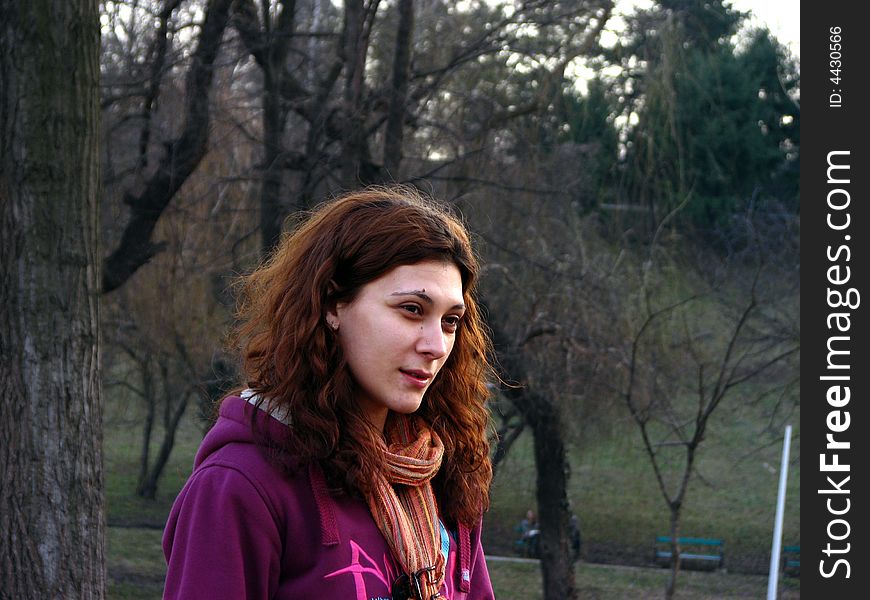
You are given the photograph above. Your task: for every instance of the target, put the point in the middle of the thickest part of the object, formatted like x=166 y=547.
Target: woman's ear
x=331 y=311
x=332 y=318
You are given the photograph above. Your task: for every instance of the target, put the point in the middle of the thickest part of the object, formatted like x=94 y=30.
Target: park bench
x=791 y=561
x=695 y=553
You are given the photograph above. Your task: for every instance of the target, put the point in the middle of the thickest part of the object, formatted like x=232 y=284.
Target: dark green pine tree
x=717 y=121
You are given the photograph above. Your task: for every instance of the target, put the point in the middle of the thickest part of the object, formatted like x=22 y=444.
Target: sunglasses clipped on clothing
x=409 y=587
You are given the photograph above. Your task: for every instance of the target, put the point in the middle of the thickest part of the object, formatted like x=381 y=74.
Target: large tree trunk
x=542 y=415
x=356 y=167
x=557 y=566
x=269 y=43
x=399 y=90
x=51 y=478
x=272 y=211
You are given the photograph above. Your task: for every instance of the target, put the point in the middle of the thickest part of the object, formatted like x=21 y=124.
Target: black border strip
x=834 y=117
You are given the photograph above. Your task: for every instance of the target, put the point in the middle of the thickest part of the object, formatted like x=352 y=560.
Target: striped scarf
x=402 y=501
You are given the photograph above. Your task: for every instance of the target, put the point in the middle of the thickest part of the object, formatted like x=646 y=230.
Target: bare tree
x=538 y=284
x=166 y=384
x=543 y=415
x=179 y=157
x=268 y=34
x=678 y=372
x=163 y=328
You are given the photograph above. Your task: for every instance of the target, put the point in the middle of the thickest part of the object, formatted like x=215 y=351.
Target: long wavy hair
x=294 y=362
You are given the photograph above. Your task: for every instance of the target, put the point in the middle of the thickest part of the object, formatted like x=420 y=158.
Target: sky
x=782 y=17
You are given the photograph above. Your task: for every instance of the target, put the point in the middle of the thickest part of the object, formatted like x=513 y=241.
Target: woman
x=356 y=463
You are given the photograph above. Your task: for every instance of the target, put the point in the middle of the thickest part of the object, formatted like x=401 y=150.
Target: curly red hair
x=292 y=359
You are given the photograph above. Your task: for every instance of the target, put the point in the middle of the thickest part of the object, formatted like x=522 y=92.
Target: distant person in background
x=576 y=540
x=354 y=464
x=530 y=534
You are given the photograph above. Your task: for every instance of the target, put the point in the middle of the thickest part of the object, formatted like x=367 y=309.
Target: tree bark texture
x=52 y=525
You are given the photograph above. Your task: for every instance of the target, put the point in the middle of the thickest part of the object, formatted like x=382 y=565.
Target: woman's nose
x=432 y=341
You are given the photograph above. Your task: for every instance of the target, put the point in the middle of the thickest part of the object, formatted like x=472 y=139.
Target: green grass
x=135 y=563
x=605 y=582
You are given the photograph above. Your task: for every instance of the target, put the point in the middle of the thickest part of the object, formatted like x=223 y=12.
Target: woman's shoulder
x=237 y=484
x=233 y=457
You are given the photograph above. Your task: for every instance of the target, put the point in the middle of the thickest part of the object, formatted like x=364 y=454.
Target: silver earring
x=334 y=326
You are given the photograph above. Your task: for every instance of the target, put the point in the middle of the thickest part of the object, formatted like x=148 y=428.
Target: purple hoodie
x=240 y=529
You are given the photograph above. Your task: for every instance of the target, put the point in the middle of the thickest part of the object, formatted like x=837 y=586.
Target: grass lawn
x=135 y=563
x=136 y=571
x=610 y=582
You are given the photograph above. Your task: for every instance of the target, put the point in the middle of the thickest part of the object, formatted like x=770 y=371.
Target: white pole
x=773 y=577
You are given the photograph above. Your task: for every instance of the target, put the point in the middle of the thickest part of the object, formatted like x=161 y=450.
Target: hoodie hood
x=236 y=418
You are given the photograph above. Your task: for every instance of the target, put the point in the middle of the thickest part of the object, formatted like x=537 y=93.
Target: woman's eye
x=412 y=308
x=451 y=323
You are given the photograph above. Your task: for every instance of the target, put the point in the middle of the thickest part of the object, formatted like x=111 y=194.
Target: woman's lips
x=416 y=378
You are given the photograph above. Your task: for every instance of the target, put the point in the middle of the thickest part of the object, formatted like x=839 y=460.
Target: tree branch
x=180 y=159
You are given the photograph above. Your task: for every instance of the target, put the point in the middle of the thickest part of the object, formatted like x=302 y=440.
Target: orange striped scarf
x=402 y=501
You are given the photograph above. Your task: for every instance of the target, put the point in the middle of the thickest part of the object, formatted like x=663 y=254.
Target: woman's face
x=397 y=334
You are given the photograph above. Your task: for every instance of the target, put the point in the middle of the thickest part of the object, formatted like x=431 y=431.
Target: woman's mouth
x=416 y=377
